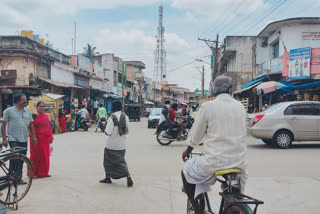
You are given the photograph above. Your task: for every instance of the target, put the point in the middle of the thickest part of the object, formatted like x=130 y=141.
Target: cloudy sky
x=128 y=27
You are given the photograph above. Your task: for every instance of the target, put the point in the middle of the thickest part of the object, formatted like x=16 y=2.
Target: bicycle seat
x=228 y=171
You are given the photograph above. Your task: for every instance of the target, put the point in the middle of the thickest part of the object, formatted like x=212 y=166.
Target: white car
x=285 y=122
x=154 y=117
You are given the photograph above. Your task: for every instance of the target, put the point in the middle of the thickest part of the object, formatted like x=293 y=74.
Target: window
x=276 y=50
x=304 y=109
x=115 y=79
x=316 y=109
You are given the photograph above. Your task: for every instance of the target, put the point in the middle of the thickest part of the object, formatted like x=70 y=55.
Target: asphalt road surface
x=288 y=181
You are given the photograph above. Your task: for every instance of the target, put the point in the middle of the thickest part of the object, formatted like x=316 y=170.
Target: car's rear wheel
x=268 y=142
x=282 y=139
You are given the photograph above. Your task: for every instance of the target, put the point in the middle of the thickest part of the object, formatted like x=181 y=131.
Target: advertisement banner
x=51 y=108
x=311 y=36
x=276 y=65
x=315 y=61
x=83 y=62
x=119 y=89
x=299 y=63
x=286 y=64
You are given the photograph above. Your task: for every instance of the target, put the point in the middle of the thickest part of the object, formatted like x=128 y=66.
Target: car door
x=300 y=117
x=316 y=113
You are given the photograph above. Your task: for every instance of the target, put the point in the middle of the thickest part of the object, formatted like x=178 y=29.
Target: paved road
x=287 y=180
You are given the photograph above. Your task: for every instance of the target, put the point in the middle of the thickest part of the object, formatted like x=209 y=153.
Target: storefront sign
x=83 y=62
x=286 y=64
x=299 y=63
x=119 y=89
x=311 y=36
x=83 y=82
x=315 y=61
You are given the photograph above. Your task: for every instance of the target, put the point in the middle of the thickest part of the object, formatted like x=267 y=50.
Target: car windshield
x=156 y=112
x=273 y=107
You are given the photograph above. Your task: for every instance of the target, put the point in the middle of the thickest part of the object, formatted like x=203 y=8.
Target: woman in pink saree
x=39 y=153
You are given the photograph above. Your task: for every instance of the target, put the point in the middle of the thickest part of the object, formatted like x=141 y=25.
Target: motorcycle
x=164 y=137
x=84 y=123
x=103 y=124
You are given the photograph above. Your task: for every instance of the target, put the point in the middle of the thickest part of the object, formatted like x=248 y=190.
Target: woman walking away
x=39 y=153
x=117 y=130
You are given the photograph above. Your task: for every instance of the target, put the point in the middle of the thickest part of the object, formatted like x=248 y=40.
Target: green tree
x=49 y=44
x=89 y=51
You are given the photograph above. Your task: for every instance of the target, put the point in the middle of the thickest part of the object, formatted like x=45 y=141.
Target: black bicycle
x=232 y=202
x=15 y=176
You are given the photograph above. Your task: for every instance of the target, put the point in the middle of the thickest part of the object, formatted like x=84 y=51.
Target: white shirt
x=95 y=104
x=221 y=126
x=83 y=112
x=114 y=140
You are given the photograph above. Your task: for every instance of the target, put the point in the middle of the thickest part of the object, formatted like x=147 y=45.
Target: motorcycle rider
x=172 y=118
x=83 y=115
x=102 y=112
x=221 y=127
x=165 y=112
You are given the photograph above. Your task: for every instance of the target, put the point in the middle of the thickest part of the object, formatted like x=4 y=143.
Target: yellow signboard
x=51 y=108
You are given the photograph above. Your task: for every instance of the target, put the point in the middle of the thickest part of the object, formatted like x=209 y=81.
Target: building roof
x=136 y=63
x=270 y=28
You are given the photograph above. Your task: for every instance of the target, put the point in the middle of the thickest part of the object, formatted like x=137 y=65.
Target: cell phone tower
x=160 y=73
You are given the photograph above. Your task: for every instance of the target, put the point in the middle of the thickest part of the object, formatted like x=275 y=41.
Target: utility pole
x=213 y=45
x=75 y=38
x=202 y=79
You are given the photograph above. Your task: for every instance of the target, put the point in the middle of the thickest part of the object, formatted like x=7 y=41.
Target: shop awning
x=54 y=96
x=247 y=88
x=254 y=81
x=59 y=84
x=303 y=86
x=21 y=86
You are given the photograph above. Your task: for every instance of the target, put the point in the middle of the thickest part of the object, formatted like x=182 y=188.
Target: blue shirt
x=18 y=123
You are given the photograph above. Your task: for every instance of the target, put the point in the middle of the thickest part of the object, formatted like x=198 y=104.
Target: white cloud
x=10 y=16
x=214 y=9
x=69 y=7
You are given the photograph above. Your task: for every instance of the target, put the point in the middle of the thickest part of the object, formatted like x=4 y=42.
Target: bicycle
x=232 y=202
x=13 y=176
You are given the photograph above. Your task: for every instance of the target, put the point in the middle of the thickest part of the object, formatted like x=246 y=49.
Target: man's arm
x=4 y=133
x=110 y=126
x=198 y=131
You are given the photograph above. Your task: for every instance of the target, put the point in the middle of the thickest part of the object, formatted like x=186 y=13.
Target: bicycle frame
x=229 y=195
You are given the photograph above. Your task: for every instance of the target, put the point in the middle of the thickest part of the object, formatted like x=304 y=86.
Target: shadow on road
x=293 y=146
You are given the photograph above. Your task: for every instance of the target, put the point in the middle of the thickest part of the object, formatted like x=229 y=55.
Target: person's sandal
x=106 y=181
x=129 y=182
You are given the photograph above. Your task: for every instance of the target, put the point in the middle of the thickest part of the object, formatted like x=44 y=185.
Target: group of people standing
x=18 y=124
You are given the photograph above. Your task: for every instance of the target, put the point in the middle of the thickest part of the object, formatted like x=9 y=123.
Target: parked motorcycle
x=164 y=137
x=84 y=123
x=102 y=124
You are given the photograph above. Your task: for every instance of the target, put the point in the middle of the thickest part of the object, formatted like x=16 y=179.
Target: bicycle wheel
x=18 y=170
x=238 y=209
x=190 y=209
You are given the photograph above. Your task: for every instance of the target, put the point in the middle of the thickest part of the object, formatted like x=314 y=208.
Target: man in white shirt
x=117 y=131
x=221 y=127
x=83 y=115
x=95 y=106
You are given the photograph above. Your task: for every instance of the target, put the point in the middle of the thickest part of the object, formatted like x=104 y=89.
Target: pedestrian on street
x=62 y=121
x=102 y=112
x=95 y=106
x=221 y=127
x=20 y=124
x=117 y=130
x=83 y=115
x=39 y=153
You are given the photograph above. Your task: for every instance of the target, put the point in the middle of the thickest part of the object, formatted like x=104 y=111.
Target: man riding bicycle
x=221 y=127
